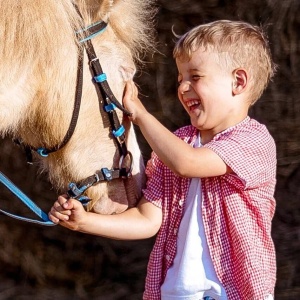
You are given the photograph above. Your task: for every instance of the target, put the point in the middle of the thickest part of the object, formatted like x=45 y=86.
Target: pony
x=39 y=54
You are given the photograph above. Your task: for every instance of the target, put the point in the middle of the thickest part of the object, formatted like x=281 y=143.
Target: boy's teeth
x=192 y=102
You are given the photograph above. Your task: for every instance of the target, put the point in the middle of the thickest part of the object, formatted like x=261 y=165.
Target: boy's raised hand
x=132 y=103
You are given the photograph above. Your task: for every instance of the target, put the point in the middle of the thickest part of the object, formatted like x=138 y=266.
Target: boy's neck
x=207 y=135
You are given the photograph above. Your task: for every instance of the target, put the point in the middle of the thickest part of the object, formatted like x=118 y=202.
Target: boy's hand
x=132 y=103
x=67 y=212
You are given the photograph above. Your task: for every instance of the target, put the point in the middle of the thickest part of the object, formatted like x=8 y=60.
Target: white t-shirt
x=192 y=275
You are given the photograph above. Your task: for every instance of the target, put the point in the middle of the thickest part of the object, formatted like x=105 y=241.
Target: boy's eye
x=196 y=77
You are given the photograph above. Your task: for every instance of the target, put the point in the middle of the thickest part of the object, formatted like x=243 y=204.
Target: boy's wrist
x=142 y=117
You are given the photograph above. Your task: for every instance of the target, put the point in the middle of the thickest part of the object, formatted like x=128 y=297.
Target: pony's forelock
x=136 y=30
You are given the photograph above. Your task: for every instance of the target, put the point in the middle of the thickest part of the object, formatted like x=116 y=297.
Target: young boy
x=210 y=186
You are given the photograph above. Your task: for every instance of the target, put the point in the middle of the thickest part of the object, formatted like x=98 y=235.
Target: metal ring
x=131 y=163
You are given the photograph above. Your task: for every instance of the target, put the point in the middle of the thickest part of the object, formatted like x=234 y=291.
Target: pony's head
x=38 y=75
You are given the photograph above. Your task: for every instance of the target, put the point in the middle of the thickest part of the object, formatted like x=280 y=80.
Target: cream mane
x=37 y=27
x=132 y=21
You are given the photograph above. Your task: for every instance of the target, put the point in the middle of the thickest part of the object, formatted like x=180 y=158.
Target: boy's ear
x=240 y=81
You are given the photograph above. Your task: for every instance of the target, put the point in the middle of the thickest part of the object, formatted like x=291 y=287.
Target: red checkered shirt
x=237 y=212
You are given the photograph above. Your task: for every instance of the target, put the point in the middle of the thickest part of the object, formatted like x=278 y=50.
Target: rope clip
x=77 y=193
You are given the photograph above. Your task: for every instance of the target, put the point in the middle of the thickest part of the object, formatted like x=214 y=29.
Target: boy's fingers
x=128 y=91
x=57 y=207
x=71 y=204
x=134 y=89
x=53 y=218
x=62 y=199
x=59 y=212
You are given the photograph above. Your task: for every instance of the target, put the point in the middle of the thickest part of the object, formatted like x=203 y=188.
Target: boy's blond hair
x=244 y=45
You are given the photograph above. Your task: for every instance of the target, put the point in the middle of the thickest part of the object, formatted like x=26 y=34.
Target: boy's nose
x=184 y=87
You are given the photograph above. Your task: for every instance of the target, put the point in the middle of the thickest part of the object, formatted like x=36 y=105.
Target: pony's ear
x=127 y=72
x=105 y=9
x=96 y=9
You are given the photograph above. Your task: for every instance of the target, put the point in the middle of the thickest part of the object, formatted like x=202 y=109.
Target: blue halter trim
x=119 y=131
x=101 y=77
x=109 y=107
x=92 y=30
x=27 y=201
x=42 y=152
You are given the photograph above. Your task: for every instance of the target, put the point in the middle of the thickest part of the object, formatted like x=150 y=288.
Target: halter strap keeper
x=42 y=152
x=110 y=107
x=120 y=131
x=101 y=77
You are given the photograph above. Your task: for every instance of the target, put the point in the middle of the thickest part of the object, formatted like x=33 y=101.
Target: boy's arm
x=138 y=222
x=180 y=157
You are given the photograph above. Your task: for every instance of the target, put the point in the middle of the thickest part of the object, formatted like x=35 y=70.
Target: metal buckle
x=76 y=193
x=93 y=60
x=107 y=174
x=96 y=178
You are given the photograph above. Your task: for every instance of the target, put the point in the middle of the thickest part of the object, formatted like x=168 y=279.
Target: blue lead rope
x=28 y=202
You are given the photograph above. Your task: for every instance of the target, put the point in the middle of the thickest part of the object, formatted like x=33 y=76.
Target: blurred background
x=53 y=263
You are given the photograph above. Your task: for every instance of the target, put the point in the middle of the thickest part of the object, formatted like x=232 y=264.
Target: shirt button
x=175 y=231
x=168 y=257
x=181 y=203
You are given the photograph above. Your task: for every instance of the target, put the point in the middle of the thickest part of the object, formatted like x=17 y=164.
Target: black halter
x=106 y=97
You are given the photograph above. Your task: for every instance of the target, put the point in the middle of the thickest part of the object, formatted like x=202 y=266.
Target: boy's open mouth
x=193 y=104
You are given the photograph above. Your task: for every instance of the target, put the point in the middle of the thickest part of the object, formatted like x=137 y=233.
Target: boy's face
x=205 y=91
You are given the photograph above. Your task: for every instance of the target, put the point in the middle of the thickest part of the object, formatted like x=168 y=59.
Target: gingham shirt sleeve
x=249 y=151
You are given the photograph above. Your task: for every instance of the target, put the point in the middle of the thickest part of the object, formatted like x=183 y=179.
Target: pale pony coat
x=38 y=67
